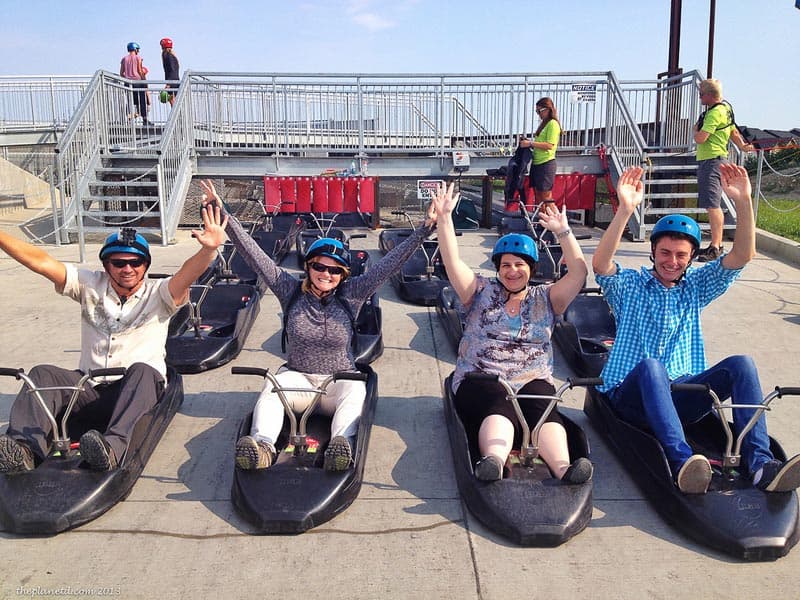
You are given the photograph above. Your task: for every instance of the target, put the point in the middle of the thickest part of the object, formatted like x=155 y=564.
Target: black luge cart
x=528 y=505
x=733 y=516
x=422 y=276
x=62 y=492
x=296 y=494
x=585 y=333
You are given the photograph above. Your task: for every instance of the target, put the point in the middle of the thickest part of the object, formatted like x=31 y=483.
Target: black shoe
x=339 y=455
x=254 y=454
x=709 y=254
x=15 y=457
x=489 y=468
x=695 y=475
x=777 y=476
x=579 y=471
x=96 y=451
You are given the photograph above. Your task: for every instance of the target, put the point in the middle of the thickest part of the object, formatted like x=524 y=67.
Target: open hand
x=210 y=195
x=443 y=202
x=630 y=189
x=212 y=235
x=553 y=219
x=735 y=182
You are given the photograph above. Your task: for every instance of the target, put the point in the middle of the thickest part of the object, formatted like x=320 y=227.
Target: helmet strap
x=509 y=292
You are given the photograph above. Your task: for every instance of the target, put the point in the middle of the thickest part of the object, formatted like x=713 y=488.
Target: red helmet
x=166 y=43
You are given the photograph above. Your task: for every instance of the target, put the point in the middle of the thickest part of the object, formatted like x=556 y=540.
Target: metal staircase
x=671 y=188
x=123 y=192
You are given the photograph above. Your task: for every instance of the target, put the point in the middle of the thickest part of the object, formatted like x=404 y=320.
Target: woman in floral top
x=507 y=333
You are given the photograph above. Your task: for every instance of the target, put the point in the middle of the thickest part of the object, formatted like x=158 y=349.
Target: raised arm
x=35 y=259
x=630 y=191
x=210 y=238
x=255 y=257
x=736 y=185
x=461 y=277
x=565 y=289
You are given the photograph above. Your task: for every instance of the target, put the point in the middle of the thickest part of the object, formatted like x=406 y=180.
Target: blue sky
x=756 y=41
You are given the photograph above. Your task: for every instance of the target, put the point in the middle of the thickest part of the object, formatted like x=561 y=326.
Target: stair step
x=144 y=199
x=120 y=213
x=125 y=170
x=128 y=183
x=683 y=181
x=675 y=211
x=668 y=196
x=688 y=167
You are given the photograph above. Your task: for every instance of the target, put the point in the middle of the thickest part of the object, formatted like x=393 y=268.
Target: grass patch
x=780 y=216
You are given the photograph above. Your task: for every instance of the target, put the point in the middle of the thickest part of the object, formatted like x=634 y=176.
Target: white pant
x=344 y=400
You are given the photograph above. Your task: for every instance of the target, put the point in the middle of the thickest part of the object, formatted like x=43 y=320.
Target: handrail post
x=360 y=95
x=53 y=103
x=162 y=212
x=53 y=205
x=441 y=117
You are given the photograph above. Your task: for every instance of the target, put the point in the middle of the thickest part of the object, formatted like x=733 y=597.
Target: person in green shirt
x=544 y=144
x=712 y=133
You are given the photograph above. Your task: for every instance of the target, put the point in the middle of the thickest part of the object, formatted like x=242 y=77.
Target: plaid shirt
x=654 y=321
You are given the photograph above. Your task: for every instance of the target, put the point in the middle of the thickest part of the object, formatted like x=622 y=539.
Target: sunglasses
x=541 y=109
x=320 y=268
x=120 y=263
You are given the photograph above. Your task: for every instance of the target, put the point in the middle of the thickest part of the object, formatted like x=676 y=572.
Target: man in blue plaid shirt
x=659 y=339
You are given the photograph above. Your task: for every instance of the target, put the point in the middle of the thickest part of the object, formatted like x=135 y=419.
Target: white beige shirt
x=117 y=334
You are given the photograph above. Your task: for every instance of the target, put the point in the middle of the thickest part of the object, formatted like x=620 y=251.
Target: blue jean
x=664 y=412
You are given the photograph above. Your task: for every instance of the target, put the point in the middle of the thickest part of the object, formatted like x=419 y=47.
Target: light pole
x=711 y=15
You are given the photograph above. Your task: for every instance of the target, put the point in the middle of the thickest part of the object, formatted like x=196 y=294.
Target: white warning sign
x=426 y=187
x=583 y=92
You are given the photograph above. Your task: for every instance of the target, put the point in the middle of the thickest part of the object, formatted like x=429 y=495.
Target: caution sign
x=583 y=92
x=426 y=188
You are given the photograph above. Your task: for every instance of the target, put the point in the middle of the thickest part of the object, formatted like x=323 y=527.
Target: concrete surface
x=408 y=534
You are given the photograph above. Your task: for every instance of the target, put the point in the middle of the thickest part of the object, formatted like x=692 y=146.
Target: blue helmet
x=127 y=241
x=330 y=247
x=678 y=224
x=518 y=245
x=132 y=46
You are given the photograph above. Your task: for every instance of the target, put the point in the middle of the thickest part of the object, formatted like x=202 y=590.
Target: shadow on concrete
x=208 y=472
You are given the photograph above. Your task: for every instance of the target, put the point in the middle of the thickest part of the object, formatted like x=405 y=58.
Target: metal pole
x=53 y=205
x=674 y=38
x=757 y=194
x=711 y=19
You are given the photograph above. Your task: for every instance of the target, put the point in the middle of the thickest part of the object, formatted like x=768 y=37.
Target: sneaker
x=579 y=471
x=254 y=454
x=15 y=457
x=777 y=476
x=96 y=451
x=709 y=254
x=489 y=468
x=695 y=475
x=339 y=454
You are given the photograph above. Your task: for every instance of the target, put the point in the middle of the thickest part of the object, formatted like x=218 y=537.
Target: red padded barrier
x=303 y=194
x=320 y=186
x=288 y=194
x=272 y=194
x=588 y=192
x=572 y=190
x=559 y=187
x=366 y=195
x=336 y=194
x=350 y=203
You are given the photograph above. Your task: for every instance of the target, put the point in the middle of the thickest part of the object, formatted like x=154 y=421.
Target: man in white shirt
x=124 y=323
